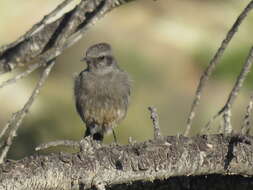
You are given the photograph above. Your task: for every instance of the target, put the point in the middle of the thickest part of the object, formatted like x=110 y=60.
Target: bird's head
x=99 y=58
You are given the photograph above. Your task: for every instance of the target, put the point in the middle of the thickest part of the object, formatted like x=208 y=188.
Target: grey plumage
x=101 y=91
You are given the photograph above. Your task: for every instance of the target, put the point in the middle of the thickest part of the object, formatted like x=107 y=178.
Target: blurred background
x=163 y=45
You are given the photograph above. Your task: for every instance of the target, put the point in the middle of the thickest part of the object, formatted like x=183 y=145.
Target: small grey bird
x=101 y=91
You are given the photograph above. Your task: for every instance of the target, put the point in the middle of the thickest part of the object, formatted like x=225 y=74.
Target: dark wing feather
x=78 y=103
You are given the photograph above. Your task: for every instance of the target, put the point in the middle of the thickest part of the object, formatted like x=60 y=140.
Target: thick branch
x=108 y=165
x=47 y=40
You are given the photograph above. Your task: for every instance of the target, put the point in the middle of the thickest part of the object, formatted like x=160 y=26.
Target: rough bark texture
x=45 y=41
x=212 y=162
x=177 y=162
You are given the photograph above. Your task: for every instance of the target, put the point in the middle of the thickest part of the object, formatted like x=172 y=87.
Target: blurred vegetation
x=231 y=63
x=163 y=45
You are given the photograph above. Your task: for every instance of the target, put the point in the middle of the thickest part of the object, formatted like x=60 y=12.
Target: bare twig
x=86 y=144
x=77 y=24
x=114 y=136
x=37 y=27
x=212 y=64
x=7 y=126
x=227 y=121
x=131 y=140
x=221 y=127
x=48 y=18
x=207 y=126
x=74 y=144
x=240 y=79
x=246 y=121
x=49 y=38
x=72 y=24
x=43 y=42
x=226 y=110
x=18 y=117
x=12 y=80
x=155 y=121
x=21 y=75
x=79 y=33
x=73 y=38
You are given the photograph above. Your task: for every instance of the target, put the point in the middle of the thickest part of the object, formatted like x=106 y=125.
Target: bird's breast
x=105 y=100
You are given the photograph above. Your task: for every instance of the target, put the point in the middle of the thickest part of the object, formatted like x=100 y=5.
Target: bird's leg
x=114 y=136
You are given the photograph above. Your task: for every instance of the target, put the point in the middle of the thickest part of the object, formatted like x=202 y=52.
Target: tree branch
x=29 y=70
x=46 y=40
x=18 y=117
x=155 y=121
x=245 y=129
x=41 y=44
x=212 y=64
x=108 y=165
x=226 y=109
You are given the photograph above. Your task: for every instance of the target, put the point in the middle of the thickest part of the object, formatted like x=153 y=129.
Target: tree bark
x=47 y=39
x=173 y=162
x=215 y=160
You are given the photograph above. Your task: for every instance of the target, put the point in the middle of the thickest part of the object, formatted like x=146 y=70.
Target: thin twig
x=212 y=64
x=74 y=144
x=80 y=32
x=21 y=75
x=245 y=129
x=227 y=121
x=155 y=121
x=226 y=110
x=7 y=126
x=221 y=127
x=207 y=126
x=18 y=117
x=240 y=79
x=114 y=136
x=12 y=80
x=37 y=27
x=43 y=39
x=131 y=140
x=234 y=93
x=64 y=41
x=72 y=24
x=36 y=38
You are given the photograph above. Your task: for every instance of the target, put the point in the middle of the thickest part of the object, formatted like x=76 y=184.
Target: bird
x=102 y=92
